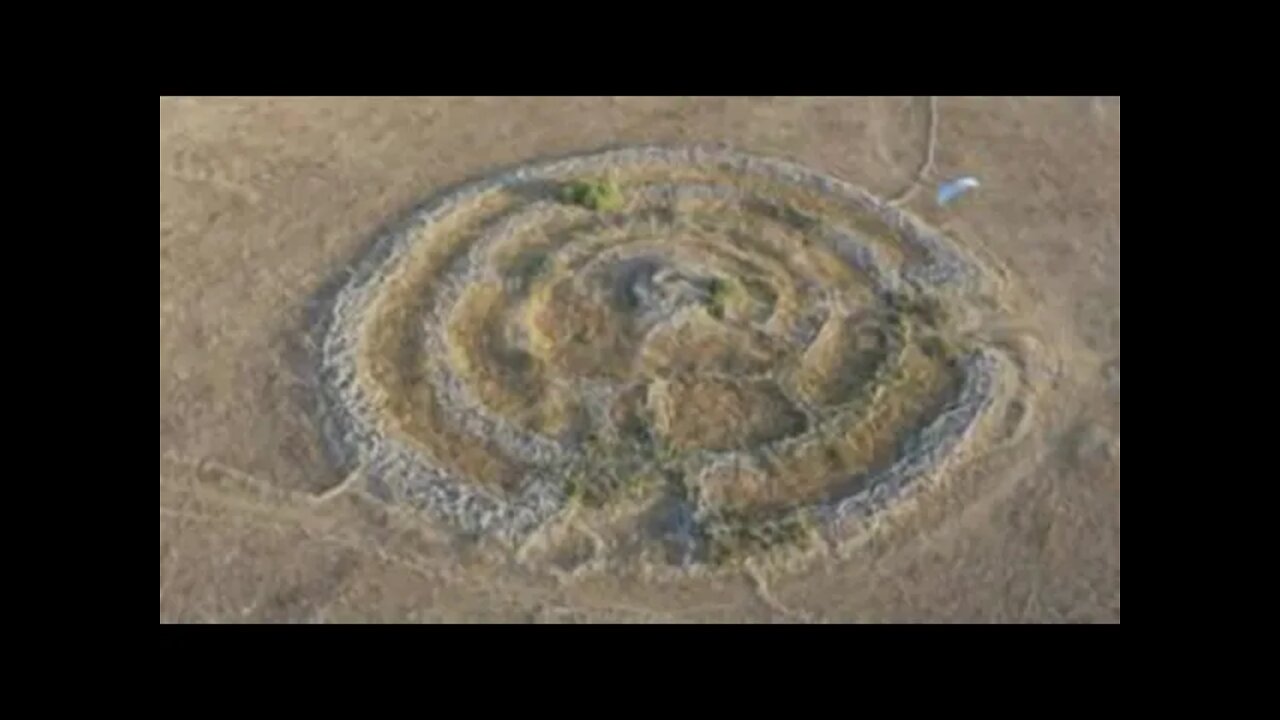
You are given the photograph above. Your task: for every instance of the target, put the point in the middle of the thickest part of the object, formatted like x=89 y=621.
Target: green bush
x=599 y=195
x=720 y=292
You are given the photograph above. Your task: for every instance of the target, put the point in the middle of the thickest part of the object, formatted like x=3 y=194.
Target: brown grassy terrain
x=265 y=204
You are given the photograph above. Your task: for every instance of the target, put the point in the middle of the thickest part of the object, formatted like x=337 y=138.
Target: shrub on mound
x=595 y=195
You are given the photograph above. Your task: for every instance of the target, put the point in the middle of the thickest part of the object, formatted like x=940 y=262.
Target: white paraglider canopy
x=952 y=189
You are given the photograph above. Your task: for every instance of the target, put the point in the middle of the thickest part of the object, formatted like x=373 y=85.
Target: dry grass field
x=657 y=360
